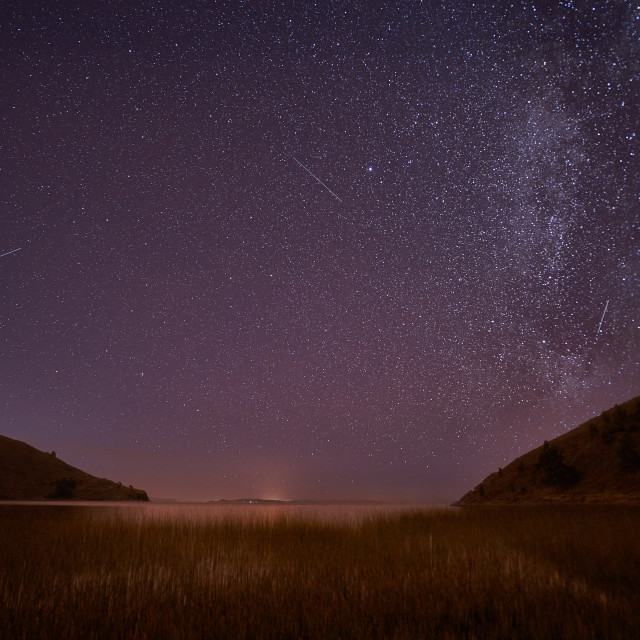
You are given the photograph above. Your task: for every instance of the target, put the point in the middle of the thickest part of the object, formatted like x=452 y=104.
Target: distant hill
x=293 y=502
x=597 y=462
x=29 y=474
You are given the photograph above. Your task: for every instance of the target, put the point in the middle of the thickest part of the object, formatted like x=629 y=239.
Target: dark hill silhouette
x=29 y=474
x=599 y=461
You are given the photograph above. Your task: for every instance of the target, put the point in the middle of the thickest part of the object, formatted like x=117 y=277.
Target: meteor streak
x=606 y=306
x=318 y=179
x=8 y=252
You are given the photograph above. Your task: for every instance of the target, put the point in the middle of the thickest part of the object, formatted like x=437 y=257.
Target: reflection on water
x=202 y=512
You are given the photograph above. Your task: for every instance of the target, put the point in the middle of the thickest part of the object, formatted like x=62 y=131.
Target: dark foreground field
x=563 y=572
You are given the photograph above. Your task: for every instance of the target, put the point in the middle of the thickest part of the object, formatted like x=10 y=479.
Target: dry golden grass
x=519 y=572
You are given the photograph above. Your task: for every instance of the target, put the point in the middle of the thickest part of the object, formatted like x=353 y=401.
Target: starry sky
x=338 y=249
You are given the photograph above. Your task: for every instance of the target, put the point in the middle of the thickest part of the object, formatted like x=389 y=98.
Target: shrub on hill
x=628 y=454
x=556 y=471
x=64 y=488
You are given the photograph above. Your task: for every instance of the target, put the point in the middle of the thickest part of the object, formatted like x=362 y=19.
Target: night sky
x=315 y=250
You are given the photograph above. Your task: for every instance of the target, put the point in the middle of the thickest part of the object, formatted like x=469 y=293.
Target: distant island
x=597 y=462
x=29 y=474
x=294 y=502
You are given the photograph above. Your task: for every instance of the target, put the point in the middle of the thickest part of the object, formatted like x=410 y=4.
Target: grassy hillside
x=599 y=461
x=29 y=474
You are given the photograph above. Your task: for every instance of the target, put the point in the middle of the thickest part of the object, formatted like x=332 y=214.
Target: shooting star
x=318 y=179
x=8 y=252
x=606 y=306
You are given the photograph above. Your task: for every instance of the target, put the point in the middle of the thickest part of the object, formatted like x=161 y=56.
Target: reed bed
x=515 y=572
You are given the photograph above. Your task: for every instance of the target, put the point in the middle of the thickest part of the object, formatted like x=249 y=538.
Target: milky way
x=193 y=313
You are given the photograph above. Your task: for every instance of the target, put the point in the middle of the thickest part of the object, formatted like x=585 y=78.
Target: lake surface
x=198 y=511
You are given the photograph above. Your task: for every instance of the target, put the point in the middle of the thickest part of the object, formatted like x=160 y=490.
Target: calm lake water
x=197 y=511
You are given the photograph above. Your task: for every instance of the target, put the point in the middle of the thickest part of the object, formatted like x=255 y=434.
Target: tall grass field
x=136 y=573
